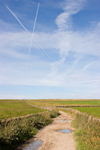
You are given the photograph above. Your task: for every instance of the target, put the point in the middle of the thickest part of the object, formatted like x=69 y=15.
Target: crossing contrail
x=42 y=48
x=34 y=29
x=33 y=32
x=37 y=45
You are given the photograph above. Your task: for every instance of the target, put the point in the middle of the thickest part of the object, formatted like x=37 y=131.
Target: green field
x=16 y=108
x=95 y=111
x=64 y=102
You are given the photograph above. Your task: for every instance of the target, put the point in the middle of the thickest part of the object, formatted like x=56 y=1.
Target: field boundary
x=16 y=118
x=78 y=112
x=77 y=106
x=47 y=108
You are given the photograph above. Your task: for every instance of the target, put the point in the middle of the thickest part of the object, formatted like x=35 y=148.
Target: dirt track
x=54 y=140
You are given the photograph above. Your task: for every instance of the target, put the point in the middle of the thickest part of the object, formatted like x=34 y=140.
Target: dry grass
x=87 y=132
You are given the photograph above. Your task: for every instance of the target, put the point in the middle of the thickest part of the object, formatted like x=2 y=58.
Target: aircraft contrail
x=16 y=18
x=36 y=17
x=34 y=29
x=39 y=47
x=33 y=32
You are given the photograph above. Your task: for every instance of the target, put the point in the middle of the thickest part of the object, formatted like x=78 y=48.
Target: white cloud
x=16 y=45
x=63 y=21
x=70 y=7
x=83 y=43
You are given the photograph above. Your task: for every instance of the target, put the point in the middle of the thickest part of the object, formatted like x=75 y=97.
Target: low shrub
x=54 y=113
x=19 y=130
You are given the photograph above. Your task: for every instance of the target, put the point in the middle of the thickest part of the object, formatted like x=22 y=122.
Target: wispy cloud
x=90 y=64
x=74 y=55
x=70 y=7
x=36 y=43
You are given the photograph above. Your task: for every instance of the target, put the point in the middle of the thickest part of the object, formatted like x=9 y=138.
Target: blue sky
x=49 y=49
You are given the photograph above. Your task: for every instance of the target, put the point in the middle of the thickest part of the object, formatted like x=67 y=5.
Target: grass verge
x=87 y=132
x=17 y=131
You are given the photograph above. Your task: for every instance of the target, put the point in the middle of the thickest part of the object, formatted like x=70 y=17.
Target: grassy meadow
x=95 y=111
x=16 y=131
x=16 y=108
x=64 y=102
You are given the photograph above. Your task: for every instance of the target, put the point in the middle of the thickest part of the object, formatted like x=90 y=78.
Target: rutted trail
x=54 y=140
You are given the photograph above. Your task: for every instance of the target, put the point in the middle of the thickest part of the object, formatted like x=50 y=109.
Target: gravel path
x=54 y=140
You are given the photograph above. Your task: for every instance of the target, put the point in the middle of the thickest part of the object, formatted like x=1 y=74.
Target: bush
x=19 y=130
x=54 y=113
